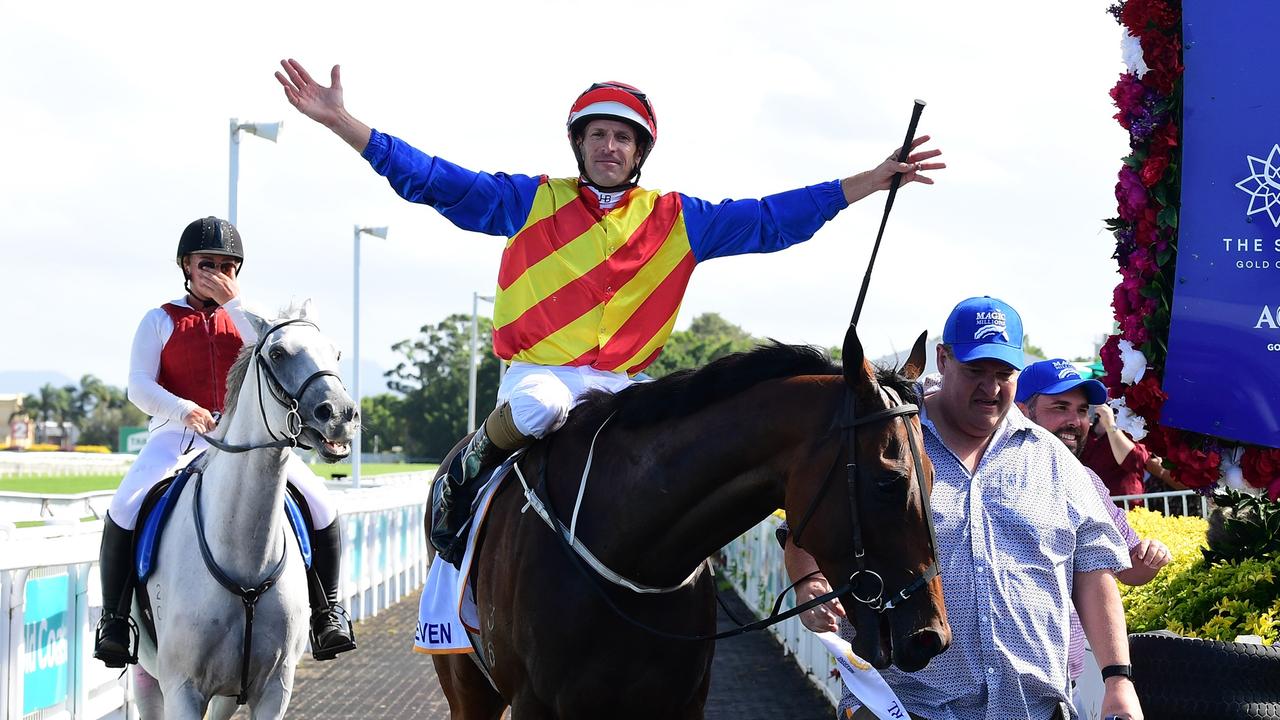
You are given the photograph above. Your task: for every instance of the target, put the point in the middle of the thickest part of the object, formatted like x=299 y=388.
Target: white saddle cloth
x=448 y=607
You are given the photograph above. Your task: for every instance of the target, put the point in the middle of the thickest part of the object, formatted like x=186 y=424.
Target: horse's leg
x=221 y=707
x=146 y=692
x=183 y=702
x=469 y=693
x=275 y=695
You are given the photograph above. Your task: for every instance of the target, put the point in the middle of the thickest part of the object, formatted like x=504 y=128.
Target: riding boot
x=116 y=640
x=331 y=631
x=458 y=490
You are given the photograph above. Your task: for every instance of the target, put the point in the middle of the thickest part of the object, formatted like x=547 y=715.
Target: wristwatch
x=1120 y=670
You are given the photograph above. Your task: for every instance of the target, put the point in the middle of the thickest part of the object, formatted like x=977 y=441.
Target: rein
x=248 y=596
x=290 y=401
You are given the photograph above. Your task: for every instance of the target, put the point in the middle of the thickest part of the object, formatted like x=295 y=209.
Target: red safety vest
x=197 y=356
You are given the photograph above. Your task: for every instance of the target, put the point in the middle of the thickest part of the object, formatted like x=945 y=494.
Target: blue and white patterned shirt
x=1010 y=539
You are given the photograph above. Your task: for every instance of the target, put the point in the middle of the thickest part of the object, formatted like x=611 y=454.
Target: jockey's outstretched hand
x=879 y=178
x=320 y=103
x=911 y=170
x=199 y=420
x=823 y=617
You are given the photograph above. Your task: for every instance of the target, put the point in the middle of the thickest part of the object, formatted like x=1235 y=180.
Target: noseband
x=288 y=400
x=865 y=585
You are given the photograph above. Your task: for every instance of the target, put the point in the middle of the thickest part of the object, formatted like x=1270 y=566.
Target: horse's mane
x=685 y=392
x=240 y=368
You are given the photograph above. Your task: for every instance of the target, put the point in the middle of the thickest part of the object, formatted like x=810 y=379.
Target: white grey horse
x=285 y=389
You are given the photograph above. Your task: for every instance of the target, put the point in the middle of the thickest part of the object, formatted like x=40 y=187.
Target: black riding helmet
x=211 y=236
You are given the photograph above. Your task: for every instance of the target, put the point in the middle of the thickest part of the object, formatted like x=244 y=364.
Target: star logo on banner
x=1263 y=185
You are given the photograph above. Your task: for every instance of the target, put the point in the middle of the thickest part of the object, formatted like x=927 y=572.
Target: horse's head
x=299 y=391
x=871 y=531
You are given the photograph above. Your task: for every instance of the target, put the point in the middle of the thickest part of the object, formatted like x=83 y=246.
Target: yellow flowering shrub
x=1194 y=598
x=43 y=447
x=93 y=449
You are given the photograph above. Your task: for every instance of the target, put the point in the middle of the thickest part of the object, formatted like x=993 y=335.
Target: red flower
x=1165 y=139
x=1131 y=194
x=1146 y=398
x=1195 y=468
x=1261 y=466
x=1142 y=16
x=1153 y=169
x=1111 y=364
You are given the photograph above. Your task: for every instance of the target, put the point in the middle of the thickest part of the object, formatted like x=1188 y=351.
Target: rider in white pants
x=178 y=370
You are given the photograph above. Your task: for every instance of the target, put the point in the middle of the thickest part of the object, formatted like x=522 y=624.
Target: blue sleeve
x=735 y=227
x=495 y=204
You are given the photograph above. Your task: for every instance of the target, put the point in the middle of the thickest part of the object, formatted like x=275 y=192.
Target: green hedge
x=1195 y=598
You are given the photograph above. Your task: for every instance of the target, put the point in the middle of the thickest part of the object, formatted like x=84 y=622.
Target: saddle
x=156 y=510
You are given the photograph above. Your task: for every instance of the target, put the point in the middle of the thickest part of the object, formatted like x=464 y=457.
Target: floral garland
x=1148 y=191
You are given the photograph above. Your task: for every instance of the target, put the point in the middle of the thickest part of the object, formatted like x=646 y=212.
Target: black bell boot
x=454 y=492
x=116 y=640
x=331 y=631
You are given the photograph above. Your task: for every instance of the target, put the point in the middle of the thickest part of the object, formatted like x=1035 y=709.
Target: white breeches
x=161 y=453
x=541 y=396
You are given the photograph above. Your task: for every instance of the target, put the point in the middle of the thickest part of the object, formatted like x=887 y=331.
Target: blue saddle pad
x=148 y=543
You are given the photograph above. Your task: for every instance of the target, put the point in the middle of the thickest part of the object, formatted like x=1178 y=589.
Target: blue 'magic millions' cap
x=1054 y=377
x=984 y=327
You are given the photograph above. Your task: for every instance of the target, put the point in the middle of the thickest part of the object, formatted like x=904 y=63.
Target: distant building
x=18 y=429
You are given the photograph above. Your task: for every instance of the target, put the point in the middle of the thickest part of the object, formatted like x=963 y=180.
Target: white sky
x=116 y=122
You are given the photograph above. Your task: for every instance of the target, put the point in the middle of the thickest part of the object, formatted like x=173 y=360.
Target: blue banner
x=45 y=620
x=1223 y=370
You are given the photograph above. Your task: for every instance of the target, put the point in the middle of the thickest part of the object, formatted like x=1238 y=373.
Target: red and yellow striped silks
x=579 y=286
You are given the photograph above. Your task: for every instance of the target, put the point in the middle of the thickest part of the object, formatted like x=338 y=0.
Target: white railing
x=16 y=507
x=50 y=599
x=1189 y=501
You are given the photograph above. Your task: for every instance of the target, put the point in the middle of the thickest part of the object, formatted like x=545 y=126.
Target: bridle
x=865 y=585
x=289 y=400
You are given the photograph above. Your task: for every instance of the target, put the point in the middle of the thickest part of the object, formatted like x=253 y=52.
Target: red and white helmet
x=615 y=101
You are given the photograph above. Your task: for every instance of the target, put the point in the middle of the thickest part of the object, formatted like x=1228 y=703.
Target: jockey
x=178 y=375
x=595 y=266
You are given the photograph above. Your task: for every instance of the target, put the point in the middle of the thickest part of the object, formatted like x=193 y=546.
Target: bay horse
x=682 y=465
x=284 y=390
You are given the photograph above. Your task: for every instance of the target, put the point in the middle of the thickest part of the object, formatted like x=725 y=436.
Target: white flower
x=1133 y=424
x=1131 y=52
x=1133 y=363
x=1232 y=475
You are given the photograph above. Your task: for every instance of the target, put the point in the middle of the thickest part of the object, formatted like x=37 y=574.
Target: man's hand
x=1119 y=698
x=880 y=177
x=199 y=420
x=1151 y=553
x=322 y=104
x=214 y=285
x=823 y=617
x=1106 y=416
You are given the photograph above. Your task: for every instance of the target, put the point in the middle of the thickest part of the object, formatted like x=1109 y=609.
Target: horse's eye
x=889 y=481
x=276 y=353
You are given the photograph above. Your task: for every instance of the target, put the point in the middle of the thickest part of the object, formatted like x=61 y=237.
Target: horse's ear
x=914 y=367
x=306 y=310
x=856 y=371
x=260 y=324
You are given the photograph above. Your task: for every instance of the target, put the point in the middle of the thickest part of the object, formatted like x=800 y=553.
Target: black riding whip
x=903 y=154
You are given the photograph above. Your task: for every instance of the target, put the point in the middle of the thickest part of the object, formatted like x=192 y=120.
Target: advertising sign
x=45 y=620
x=132 y=439
x=1223 y=370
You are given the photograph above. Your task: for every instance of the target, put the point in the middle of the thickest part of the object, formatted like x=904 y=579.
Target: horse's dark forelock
x=685 y=392
x=891 y=378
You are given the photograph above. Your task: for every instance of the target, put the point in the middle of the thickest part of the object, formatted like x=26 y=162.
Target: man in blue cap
x=1020 y=535
x=1052 y=394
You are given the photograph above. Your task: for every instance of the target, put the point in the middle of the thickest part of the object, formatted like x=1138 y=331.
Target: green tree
x=1032 y=348
x=434 y=377
x=382 y=422
x=106 y=409
x=709 y=337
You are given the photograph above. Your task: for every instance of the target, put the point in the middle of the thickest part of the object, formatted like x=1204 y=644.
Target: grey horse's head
x=295 y=363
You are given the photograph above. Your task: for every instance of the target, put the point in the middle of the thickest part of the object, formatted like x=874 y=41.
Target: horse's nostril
x=350 y=414
x=323 y=412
